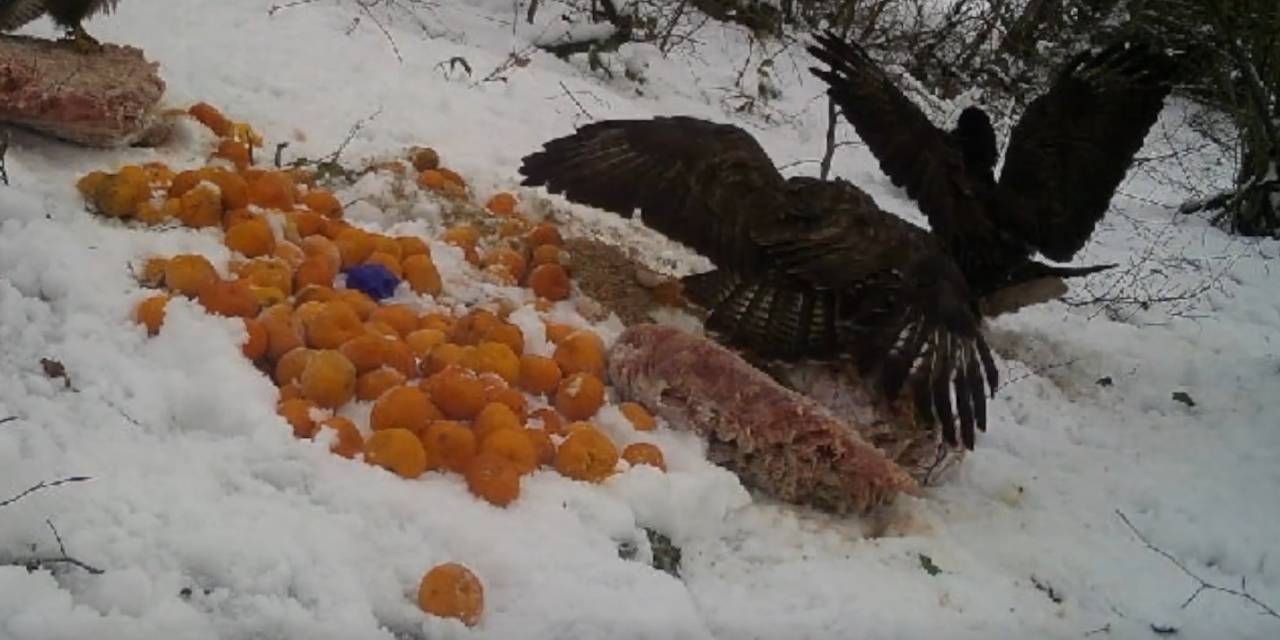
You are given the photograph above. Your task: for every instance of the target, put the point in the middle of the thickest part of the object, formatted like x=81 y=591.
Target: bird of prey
x=806 y=269
x=66 y=13
x=1066 y=156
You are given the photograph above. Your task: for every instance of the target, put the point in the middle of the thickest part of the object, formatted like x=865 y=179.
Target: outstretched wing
x=697 y=182
x=1073 y=145
x=915 y=154
x=805 y=269
x=16 y=13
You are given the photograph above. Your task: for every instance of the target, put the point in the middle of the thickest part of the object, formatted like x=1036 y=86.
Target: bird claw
x=82 y=42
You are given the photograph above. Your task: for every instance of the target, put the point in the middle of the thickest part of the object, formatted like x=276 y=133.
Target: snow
x=211 y=521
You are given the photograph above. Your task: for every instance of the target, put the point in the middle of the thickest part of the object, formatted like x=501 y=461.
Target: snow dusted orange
x=403 y=407
x=422 y=341
x=544 y=233
x=513 y=445
x=297 y=412
x=201 y=207
x=501 y=204
x=550 y=281
x=255 y=343
x=538 y=374
x=451 y=591
x=272 y=190
x=639 y=417
x=494 y=478
x=496 y=357
x=450 y=445
x=472 y=328
x=548 y=419
x=371 y=384
x=347 y=440
x=580 y=351
x=644 y=453
x=398 y=451
x=150 y=312
x=188 y=273
x=579 y=396
x=507 y=258
x=334 y=325
x=252 y=238
x=231 y=298
x=322 y=202
x=401 y=317
x=494 y=417
x=329 y=379
x=544 y=448
x=457 y=392
x=587 y=454
x=422 y=275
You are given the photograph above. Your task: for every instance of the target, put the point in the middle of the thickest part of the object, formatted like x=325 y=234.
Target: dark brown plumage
x=1066 y=156
x=805 y=268
x=67 y=13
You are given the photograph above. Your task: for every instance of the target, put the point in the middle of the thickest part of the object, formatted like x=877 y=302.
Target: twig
x=44 y=484
x=8 y=419
x=575 y=101
x=351 y=135
x=4 y=151
x=276 y=8
x=1202 y=584
x=830 y=150
x=33 y=563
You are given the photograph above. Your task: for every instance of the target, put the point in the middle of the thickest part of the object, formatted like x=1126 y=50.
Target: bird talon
x=82 y=42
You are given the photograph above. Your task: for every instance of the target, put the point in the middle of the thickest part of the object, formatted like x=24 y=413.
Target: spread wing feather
x=806 y=269
x=1073 y=145
x=16 y=13
x=914 y=153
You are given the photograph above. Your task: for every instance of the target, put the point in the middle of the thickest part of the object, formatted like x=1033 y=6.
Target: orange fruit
x=354 y=245
x=371 y=384
x=348 y=442
x=550 y=281
x=403 y=407
x=449 y=445
x=587 y=455
x=644 y=453
x=400 y=316
x=494 y=417
x=422 y=275
x=229 y=298
x=501 y=204
x=188 y=273
x=255 y=344
x=513 y=445
x=640 y=417
x=580 y=351
x=329 y=379
x=544 y=449
x=335 y=324
x=412 y=246
x=297 y=412
x=422 y=341
x=550 y=420
x=323 y=203
x=579 y=396
x=456 y=392
x=494 y=478
x=235 y=151
x=451 y=591
x=544 y=233
x=398 y=451
x=289 y=367
x=210 y=117
x=272 y=190
x=201 y=206
x=538 y=374
x=252 y=237
x=150 y=312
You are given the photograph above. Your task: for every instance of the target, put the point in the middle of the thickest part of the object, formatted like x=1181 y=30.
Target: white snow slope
x=211 y=521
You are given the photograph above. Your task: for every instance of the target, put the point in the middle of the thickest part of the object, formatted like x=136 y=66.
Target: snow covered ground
x=211 y=521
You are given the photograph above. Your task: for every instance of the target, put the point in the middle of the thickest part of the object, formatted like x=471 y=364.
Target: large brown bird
x=69 y=14
x=1066 y=156
x=806 y=269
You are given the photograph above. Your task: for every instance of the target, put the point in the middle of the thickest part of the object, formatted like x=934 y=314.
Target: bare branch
x=1202 y=584
x=45 y=484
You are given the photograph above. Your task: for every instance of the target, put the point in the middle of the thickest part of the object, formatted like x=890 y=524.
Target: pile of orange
x=449 y=393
